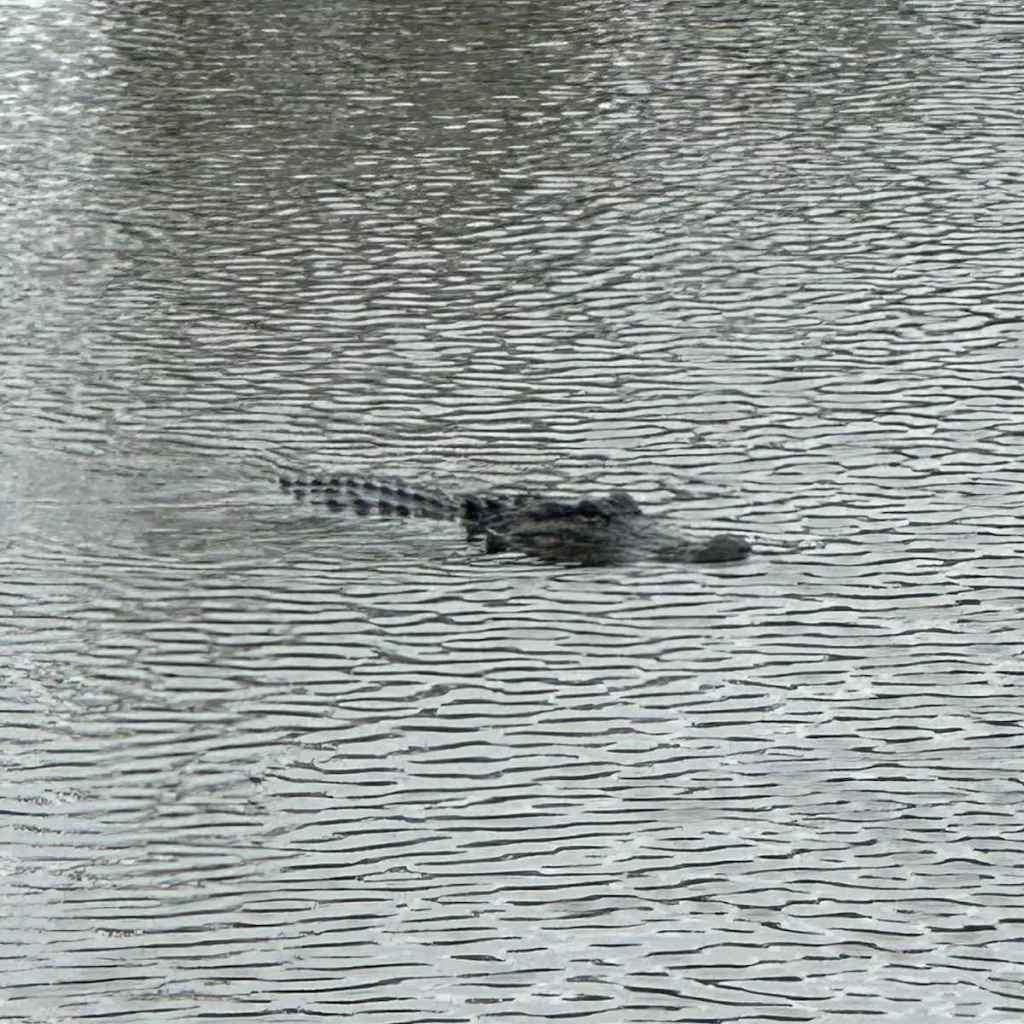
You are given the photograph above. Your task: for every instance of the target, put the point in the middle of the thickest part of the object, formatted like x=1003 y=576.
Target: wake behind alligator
x=591 y=531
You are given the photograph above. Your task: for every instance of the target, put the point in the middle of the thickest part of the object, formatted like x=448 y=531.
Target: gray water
x=261 y=762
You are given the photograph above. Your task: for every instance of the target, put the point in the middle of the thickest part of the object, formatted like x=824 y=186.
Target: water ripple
x=757 y=266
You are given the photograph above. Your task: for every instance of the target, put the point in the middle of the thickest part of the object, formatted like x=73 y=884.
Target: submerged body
x=594 y=531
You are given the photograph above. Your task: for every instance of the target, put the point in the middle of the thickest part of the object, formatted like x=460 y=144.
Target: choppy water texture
x=264 y=763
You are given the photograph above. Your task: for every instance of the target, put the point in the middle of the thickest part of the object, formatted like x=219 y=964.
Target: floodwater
x=261 y=762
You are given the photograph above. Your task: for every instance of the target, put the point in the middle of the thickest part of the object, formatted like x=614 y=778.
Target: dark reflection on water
x=262 y=761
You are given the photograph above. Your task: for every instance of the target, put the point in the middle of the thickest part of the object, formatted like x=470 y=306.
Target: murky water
x=264 y=762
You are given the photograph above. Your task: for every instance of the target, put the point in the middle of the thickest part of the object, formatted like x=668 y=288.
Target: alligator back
x=367 y=495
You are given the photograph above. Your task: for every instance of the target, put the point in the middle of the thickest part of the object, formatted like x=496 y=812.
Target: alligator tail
x=366 y=495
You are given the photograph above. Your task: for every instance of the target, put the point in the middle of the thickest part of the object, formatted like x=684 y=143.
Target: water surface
x=265 y=762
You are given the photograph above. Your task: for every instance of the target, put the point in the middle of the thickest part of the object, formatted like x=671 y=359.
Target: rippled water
x=260 y=762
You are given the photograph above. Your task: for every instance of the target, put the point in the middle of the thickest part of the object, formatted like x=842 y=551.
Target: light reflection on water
x=259 y=759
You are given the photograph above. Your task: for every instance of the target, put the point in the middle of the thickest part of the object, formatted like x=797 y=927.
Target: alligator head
x=597 y=531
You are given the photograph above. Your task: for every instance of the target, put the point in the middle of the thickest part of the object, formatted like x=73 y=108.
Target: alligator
x=592 y=531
